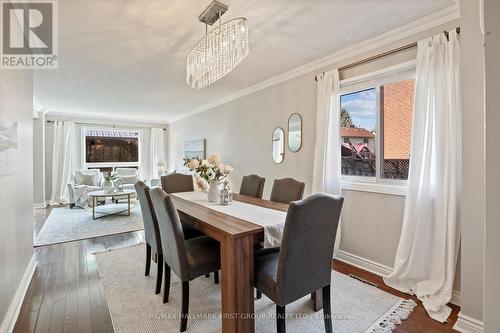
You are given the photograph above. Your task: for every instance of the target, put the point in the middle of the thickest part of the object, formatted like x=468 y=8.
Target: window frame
x=112 y=165
x=376 y=79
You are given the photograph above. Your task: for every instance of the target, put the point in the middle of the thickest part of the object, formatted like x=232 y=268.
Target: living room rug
x=134 y=307
x=66 y=225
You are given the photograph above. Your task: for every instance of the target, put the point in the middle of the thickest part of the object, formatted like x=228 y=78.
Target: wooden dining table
x=237 y=238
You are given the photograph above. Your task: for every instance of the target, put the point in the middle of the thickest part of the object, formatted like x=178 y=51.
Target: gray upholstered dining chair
x=303 y=263
x=151 y=231
x=188 y=259
x=175 y=183
x=178 y=182
x=152 y=234
x=252 y=186
x=287 y=190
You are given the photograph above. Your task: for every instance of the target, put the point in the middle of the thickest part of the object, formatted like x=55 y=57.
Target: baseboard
x=10 y=318
x=363 y=263
x=379 y=269
x=466 y=324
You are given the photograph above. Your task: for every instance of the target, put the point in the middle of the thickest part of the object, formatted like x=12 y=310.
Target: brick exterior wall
x=397 y=112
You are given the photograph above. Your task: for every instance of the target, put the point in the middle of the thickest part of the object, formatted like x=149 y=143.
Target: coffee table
x=96 y=195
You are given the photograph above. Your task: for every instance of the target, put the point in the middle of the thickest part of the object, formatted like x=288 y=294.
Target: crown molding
x=425 y=23
x=103 y=119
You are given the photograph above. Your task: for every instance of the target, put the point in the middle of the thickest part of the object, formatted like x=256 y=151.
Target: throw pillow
x=87 y=179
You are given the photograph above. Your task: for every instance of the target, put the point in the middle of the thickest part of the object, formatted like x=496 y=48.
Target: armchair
x=126 y=179
x=84 y=181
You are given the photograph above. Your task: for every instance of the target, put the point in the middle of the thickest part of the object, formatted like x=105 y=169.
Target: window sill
x=374 y=187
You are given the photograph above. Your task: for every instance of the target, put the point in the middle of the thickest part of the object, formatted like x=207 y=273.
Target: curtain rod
x=384 y=54
x=112 y=125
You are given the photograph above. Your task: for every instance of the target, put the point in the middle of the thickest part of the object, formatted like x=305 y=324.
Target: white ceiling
x=126 y=59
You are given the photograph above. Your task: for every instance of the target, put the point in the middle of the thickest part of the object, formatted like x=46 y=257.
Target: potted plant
x=210 y=174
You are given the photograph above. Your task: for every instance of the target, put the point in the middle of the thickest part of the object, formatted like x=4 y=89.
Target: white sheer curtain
x=327 y=159
x=156 y=151
x=63 y=161
x=428 y=248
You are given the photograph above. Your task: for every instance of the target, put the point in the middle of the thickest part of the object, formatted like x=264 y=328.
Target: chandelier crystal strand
x=218 y=53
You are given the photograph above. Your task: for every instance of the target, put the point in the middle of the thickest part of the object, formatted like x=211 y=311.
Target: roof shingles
x=354 y=132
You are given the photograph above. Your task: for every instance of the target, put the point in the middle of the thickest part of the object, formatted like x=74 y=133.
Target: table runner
x=273 y=221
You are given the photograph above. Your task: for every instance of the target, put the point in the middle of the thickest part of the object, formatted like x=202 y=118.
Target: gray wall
x=38 y=160
x=371 y=225
x=240 y=132
x=473 y=185
x=492 y=241
x=16 y=237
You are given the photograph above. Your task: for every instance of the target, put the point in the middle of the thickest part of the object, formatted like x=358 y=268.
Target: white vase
x=108 y=186
x=213 y=192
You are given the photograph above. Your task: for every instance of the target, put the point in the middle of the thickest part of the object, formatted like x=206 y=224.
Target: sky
x=362 y=106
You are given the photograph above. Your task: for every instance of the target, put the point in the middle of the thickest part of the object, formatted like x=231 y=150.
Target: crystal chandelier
x=220 y=51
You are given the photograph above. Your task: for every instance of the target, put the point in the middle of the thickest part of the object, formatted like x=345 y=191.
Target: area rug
x=65 y=224
x=356 y=306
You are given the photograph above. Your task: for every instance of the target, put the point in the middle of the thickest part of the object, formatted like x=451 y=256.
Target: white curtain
x=157 y=151
x=428 y=248
x=63 y=161
x=327 y=158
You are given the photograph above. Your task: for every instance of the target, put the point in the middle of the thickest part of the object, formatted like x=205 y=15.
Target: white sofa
x=84 y=181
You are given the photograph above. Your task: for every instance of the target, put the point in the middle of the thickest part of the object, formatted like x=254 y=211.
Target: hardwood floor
x=66 y=293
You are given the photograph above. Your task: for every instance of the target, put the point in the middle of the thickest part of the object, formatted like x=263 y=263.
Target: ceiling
x=125 y=59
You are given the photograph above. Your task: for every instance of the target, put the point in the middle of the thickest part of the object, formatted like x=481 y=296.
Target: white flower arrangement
x=209 y=170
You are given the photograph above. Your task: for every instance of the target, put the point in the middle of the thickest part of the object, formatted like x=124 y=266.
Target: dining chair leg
x=166 y=287
x=280 y=319
x=159 y=274
x=216 y=277
x=259 y=294
x=185 y=305
x=327 y=309
x=148 y=259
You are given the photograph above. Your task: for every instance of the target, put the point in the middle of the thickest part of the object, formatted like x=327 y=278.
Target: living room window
x=376 y=121
x=107 y=149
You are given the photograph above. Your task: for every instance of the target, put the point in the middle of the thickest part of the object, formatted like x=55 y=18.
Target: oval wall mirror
x=295 y=132
x=278 y=145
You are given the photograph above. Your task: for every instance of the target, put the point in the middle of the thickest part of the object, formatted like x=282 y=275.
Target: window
x=358 y=121
x=396 y=119
x=376 y=130
x=107 y=149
